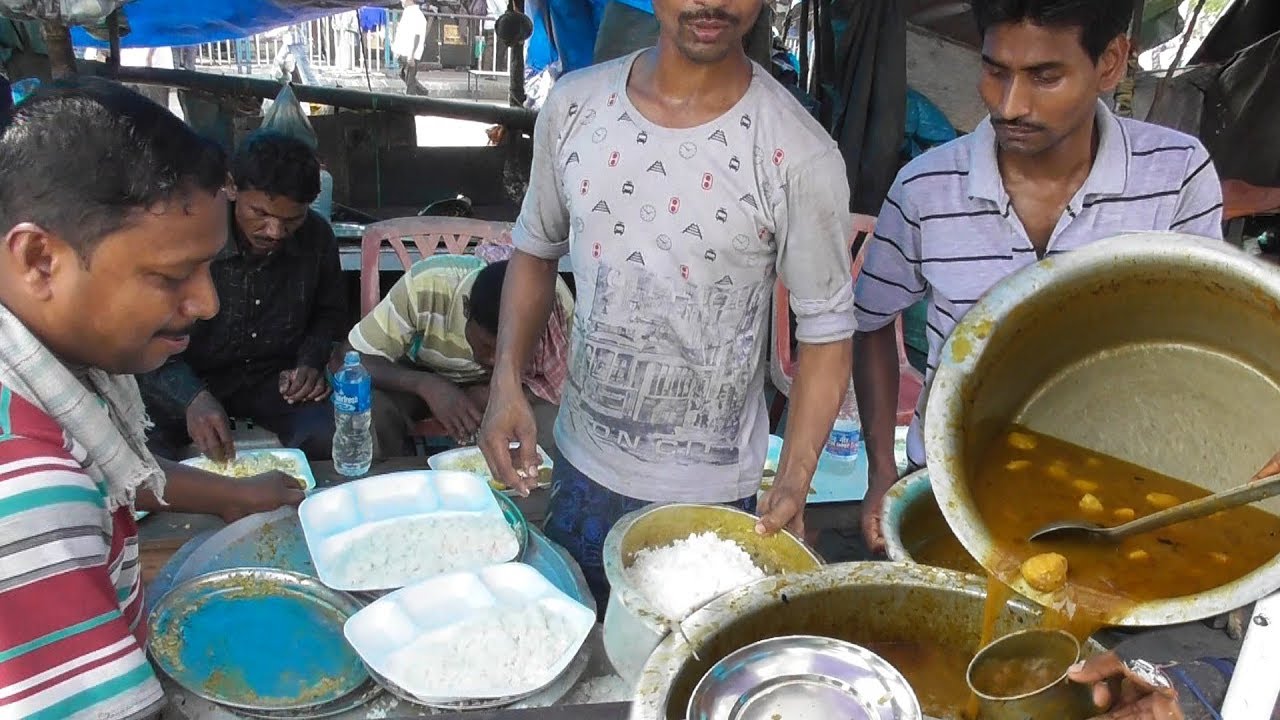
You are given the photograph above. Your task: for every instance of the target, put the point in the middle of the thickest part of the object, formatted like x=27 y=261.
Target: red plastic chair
x=783 y=362
x=430 y=236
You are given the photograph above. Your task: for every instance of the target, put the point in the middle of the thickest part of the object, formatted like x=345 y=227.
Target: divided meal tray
x=439 y=605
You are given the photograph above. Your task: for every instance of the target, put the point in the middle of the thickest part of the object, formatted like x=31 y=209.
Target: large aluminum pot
x=633 y=627
x=1156 y=348
x=857 y=602
x=912 y=523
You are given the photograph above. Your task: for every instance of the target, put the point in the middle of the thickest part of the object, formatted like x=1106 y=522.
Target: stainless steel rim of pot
x=1207 y=292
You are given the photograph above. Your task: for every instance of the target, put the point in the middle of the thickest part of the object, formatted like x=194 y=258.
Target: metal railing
x=336 y=43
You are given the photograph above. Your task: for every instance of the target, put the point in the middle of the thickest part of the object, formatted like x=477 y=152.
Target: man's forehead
x=275 y=205
x=1026 y=45
x=190 y=229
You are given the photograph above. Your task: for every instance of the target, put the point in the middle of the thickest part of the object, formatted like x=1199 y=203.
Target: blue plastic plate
x=257 y=639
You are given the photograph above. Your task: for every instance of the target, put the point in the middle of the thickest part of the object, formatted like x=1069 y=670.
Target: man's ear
x=1113 y=63
x=35 y=255
x=229 y=188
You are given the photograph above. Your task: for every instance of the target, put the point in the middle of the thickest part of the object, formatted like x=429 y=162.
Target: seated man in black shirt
x=262 y=357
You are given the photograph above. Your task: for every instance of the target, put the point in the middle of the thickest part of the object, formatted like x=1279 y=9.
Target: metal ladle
x=1243 y=495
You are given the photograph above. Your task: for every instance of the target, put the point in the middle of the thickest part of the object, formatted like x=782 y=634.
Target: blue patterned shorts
x=580 y=514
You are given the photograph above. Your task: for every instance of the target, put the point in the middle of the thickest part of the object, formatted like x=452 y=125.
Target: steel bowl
x=1059 y=698
x=1156 y=348
x=911 y=519
x=632 y=625
x=862 y=603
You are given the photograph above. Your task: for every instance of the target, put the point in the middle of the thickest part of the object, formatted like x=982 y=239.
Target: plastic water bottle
x=352 y=400
x=844 y=445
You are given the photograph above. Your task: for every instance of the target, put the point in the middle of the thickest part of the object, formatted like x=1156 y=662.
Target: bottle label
x=844 y=443
x=352 y=397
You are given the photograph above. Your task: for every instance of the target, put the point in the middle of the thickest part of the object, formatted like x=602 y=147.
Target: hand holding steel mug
x=1133 y=690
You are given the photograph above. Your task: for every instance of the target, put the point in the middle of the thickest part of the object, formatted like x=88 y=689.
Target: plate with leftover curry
x=248 y=463
x=470 y=459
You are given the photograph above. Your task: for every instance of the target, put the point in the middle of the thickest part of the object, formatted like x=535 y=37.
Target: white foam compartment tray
x=329 y=515
x=397 y=621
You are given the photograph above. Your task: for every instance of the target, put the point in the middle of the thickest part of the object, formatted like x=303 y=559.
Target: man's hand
x=783 y=507
x=508 y=419
x=260 y=493
x=1271 y=468
x=1122 y=694
x=479 y=395
x=303 y=384
x=450 y=405
x=210 y=428
x=873 y=509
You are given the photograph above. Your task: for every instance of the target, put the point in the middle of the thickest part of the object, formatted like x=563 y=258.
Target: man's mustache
x=1016 y=125
x=710 y=14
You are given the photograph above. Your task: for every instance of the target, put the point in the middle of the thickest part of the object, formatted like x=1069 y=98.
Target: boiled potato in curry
x=1046 y=572
x=1028 y=480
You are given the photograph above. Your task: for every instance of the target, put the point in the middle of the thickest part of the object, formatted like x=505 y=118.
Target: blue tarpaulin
x=165 y=23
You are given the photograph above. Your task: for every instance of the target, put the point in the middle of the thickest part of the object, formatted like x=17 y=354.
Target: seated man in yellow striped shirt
x=429 y=347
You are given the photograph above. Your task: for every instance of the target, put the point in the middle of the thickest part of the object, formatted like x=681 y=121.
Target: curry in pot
x=1028 y=480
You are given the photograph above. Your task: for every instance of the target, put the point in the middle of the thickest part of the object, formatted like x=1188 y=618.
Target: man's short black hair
x=1100 y=21
x=81 y=157
x=277 y=164
x=486 y=296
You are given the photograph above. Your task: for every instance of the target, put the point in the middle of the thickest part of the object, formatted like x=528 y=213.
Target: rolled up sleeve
x=891 y=279
x=813 y=226
x=542 y=229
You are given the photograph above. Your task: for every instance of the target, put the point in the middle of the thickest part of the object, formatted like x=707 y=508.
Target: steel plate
x=257 y=639
x=803 y=676
x=362 y=696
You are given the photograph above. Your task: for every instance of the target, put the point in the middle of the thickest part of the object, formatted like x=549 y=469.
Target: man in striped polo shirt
x=111 y=210
x=1050 y=170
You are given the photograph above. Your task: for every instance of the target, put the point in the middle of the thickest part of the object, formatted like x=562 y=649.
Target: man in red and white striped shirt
x=110 y=212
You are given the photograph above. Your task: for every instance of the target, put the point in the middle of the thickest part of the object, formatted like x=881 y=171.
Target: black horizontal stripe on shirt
x=935 y=173
x=965 y=258
x=1131 y=198
x=942 y=310
x=887 y=281
x=1023 y=249
x=1192 y=218
x=960 y=215
x=861 y=308
x=894 y=245
x=929 y=326
x=902 y=212
x=1194 y=173
x=1170 y=148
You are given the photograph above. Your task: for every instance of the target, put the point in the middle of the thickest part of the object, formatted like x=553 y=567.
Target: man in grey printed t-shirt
x=1050 y=170
x=682 y=181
